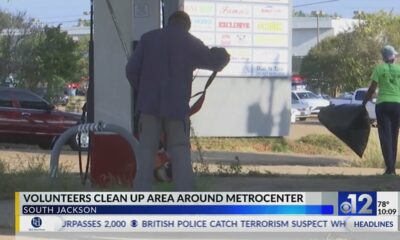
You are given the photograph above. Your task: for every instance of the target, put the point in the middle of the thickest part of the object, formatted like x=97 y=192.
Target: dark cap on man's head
x=388 y=53
x=181 y=18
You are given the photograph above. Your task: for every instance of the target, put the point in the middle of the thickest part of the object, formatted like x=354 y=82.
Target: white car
x=300 y=110
x=357 y=98
x=311 y=99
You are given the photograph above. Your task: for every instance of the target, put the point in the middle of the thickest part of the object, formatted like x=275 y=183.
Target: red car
x=27 y=118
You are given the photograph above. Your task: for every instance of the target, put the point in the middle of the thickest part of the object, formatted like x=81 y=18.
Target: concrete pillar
x=112 y=98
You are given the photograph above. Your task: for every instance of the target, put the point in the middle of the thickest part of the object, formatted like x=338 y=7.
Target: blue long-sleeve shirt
x=161 y=70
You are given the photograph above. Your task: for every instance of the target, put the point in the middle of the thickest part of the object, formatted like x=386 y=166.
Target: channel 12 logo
x=357 y=203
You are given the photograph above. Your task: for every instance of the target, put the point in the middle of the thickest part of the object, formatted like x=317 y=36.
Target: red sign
x=238 y=25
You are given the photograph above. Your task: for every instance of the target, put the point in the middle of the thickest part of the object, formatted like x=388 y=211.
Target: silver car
x=314 y=101
x=300 y=110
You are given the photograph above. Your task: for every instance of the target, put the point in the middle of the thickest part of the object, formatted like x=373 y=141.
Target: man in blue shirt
x=161 y=71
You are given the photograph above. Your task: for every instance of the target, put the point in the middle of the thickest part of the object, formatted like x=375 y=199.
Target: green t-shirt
x=388 y=78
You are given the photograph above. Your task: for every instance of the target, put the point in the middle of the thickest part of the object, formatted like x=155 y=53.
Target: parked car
x=356 y=98
x=29 y=119
x=300 y=110
x=311 y=99
x=325 y=96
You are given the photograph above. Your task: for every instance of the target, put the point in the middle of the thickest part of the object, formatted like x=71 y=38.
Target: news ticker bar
x=222 y=223
x=158 y=211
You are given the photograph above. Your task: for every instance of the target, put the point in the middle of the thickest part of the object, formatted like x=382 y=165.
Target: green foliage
x=33 y=175
x=57 y=61
x=312 y=145
x=247 y=144
x=57 y=51
x=280 y=145
x=83 y=53
x=345 y=62
x=83 y=22
x=304 y=14
x=28 y=61
x=14 y=29
x=40 y=57
x=54 y=87
x=18 y=20
x=372 y=157
x=234 y=168
x=328 y=142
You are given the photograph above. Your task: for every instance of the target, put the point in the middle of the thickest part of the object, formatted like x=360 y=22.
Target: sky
x=346 y=8
x=51 y=12
x=67 y=12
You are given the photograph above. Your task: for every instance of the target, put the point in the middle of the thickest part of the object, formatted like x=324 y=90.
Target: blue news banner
x=206 y=212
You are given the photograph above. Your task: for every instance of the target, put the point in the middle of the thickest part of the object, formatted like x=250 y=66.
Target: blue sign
x=357 y=204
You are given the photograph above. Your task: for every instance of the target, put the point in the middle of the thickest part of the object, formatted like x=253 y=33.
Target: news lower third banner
x=206 y=212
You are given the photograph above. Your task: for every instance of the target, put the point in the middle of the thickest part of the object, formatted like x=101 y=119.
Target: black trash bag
x=350 y=123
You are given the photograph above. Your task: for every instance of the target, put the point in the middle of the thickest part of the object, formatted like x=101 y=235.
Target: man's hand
x=222 y=55
x=364 y=102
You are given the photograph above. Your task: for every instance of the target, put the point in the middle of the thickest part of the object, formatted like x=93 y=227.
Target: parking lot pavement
x=304 y=128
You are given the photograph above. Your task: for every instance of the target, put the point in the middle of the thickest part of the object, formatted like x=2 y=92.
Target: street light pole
x=317 y=28
x=317 y=14
x=359 y=15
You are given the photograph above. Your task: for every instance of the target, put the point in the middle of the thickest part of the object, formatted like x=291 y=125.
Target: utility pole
x=317 y=14
x=359 y=15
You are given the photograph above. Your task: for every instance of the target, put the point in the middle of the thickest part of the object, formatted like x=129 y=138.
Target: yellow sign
x=264 y=40
x=200 y=8
x=265 y=26
x=240 y=54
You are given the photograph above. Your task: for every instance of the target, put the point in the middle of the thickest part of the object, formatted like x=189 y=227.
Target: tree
x=54 y=59
x=29 y=62
x=345 y=62
x=13 y=29
x=300 y=13
x=83 y=22
x=83 y=52
x=38 y=56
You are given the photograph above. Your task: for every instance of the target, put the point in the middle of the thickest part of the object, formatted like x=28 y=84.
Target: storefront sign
x=254 y=32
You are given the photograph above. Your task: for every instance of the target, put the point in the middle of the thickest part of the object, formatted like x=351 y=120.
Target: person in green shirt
x=386 y=77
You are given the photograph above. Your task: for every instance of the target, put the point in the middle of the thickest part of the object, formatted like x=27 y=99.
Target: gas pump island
x=250 y=97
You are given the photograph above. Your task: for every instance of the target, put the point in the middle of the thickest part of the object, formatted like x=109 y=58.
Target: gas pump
x=117 y=25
